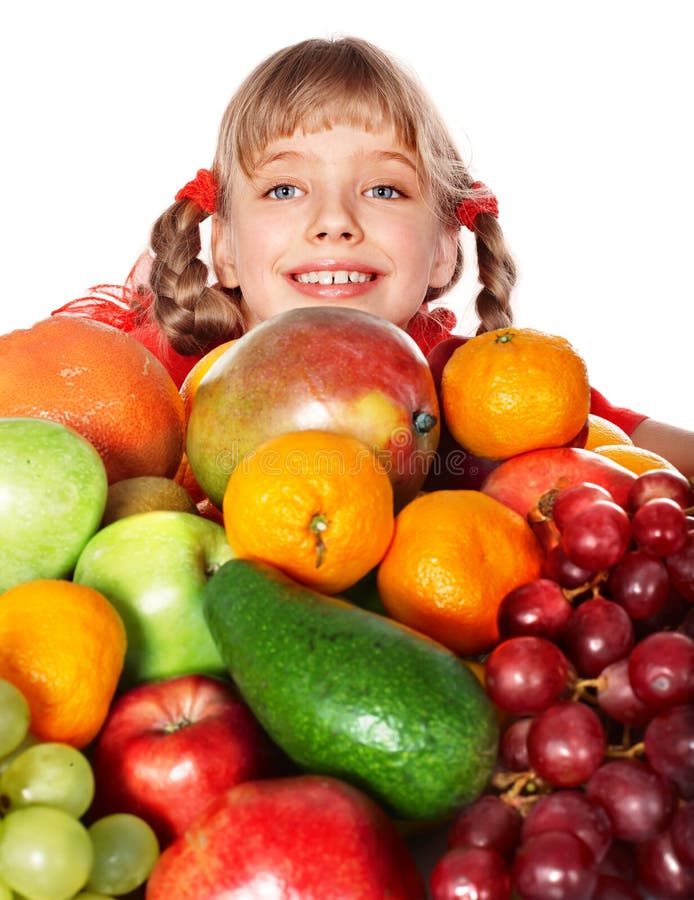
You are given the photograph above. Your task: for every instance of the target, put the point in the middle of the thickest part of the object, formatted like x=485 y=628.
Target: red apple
x=308 y=836
x=521 y=481
x=336 y=369
x=170 y=747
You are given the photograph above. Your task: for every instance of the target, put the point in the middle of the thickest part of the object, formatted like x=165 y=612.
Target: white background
x=577 y=114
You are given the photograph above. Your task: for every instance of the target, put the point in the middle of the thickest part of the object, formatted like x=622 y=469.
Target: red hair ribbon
x=201 y=190
x=482 y=202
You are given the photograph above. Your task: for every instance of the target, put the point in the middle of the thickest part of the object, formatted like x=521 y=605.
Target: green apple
x=152 y=566
x=53 y=488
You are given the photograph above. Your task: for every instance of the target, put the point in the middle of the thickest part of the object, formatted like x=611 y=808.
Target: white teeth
x=340 y=277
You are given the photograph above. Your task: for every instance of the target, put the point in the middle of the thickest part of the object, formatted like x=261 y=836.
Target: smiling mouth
x=340 y=277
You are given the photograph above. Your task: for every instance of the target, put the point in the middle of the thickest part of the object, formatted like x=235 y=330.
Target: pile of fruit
x=337 y=621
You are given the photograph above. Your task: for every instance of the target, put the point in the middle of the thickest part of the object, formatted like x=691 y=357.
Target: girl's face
x=334 y=217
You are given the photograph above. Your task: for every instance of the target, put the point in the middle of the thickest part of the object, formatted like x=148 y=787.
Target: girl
x=334 y=181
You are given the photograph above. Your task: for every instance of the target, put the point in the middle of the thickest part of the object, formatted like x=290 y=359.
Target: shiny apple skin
x=307 y=836
x=522 y=480
x=169 y=748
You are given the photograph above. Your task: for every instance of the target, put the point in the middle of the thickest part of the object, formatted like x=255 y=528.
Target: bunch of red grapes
x=593 y=798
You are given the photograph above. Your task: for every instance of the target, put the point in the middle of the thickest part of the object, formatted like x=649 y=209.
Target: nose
x=335 y=219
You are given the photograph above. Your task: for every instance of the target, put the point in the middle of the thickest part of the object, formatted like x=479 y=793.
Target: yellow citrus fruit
x=197 y=373
x=512 y=390
x=453 y=558
x=636 y=459
x=317 y=505
x=62 y=645
x=601 y=431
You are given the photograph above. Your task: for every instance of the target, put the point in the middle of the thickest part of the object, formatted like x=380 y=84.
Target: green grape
x=90 y=895
x=14 y=717
x=49 y=774
x=29 y=741
x=45 y=853
x=125 y=851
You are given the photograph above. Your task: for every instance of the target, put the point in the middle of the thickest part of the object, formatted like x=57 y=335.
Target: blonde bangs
x=314 y=86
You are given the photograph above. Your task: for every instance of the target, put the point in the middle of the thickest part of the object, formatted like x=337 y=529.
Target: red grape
x=639 y=583
x=558 y=567
x=619 y=861
x=488 y=822
x=609 y=887
x=573 y=499
x=599 y=632
x=513 y=747
x=661 y=871
x=525 y=674
x=659 y=483
x=536 y=608
x=554 y=864
x=680 y=565
x=669 y=745
x=616 y=696
x=574 y=812
x=566 y=743
x=470 y=872
x=661 y=669
x=598 y=536
x=638 y=800
x=682 y=830
x=660 y=526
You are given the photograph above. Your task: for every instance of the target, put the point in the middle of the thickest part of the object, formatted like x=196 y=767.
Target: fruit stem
x=423 y=422
x=505 y=337
x=318 y=525
x=626 y=752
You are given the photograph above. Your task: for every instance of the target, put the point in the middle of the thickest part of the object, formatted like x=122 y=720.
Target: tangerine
x=62 y=645
x=602 y=431
x=104 y=384
x=636 y=459
x=316 y=504
x=453 y=558
x=514 y=389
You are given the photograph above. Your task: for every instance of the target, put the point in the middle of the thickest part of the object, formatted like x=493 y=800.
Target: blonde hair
x=314 y=85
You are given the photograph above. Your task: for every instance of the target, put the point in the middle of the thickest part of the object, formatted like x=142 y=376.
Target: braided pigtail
x=478 y=211
x=497 y=274
x=193 y=315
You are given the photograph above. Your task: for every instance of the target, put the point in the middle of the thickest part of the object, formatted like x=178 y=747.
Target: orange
x=512 y=390
x=636 y=459
x=190 y=383
x=103 y=383
x=453 y=558
x=63 y=645
x=317 y=505
x=602 y=431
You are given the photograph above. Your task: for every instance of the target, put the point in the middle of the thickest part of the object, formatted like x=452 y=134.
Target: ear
x=445 y=257
x=222 y=256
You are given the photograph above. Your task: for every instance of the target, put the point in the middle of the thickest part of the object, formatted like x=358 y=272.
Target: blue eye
x=383 y=192
x=285 y=192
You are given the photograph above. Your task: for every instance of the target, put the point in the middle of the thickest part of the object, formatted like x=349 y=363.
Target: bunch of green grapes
x=46 y=851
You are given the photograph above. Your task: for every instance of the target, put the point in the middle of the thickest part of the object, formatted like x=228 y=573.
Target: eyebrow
x=294 y=156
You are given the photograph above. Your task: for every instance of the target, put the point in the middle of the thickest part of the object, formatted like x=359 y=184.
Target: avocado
x=353 y=694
